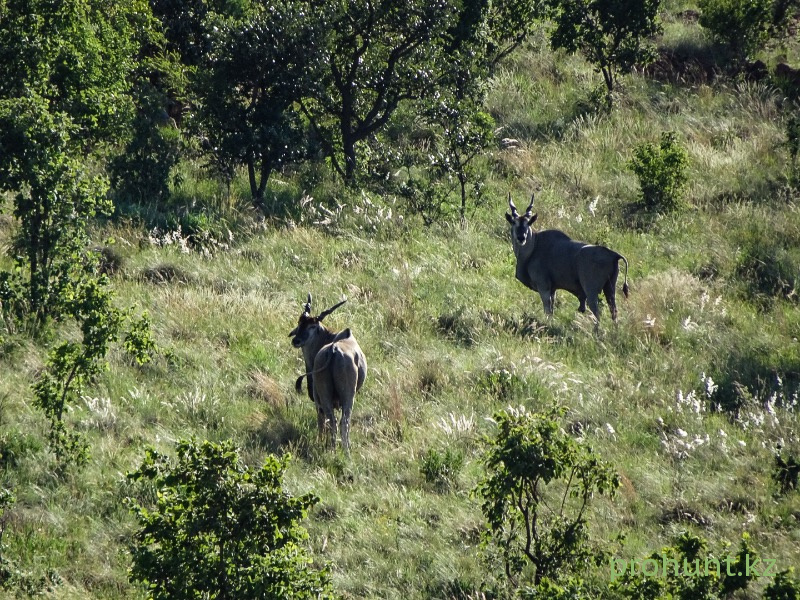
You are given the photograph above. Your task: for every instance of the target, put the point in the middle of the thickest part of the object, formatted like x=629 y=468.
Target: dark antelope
x=549 y=260
x=335 y=367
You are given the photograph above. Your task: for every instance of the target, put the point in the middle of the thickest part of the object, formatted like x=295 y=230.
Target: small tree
x=612 y=35
x=65 y=73
x=258 y=67
x=465 y=132
x=536 y=493
x=220 y=530
x=377 y=55
x=54 y=199
x=662 y=173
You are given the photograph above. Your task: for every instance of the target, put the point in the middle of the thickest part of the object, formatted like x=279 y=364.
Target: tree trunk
x=462 y=179
x=348 y=147
x=258 y=185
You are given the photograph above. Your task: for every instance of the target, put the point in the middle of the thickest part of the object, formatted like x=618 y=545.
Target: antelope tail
x=625 y=288
x=298 y=385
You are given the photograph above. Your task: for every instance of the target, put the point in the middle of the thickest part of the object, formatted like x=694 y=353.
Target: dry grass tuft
x=263 y=388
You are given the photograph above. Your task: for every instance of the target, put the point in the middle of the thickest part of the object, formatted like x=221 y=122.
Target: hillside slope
x=451 y=337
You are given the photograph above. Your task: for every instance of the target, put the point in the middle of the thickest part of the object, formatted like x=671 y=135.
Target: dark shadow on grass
x=688 y=63
x=749 y=377
x=554 y=129
x=278 y=434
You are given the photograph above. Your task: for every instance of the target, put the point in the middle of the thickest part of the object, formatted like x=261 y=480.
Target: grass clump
x=441 y=468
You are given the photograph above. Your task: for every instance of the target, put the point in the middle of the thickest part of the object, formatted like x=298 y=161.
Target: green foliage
x=76 y=58
x=500 y=383
x=10 y=577
x=441 y=469
x=570 y=588
x=73 y=365
x=687 y=569
x=377 y=55
x=613 y=36
x=220 y=529
x=463 y=132
x=508 y=23
x=784 y=587
x=662 y=173
x=536 y=491
x=64 y=77
x=139 y=342
x=742 y=25
x=54 y=199
x=249 y=82
x=204 y=231
x=7 y=500
x=141 y=173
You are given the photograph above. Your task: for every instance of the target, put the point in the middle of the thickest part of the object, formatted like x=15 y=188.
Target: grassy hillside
x=450 y=336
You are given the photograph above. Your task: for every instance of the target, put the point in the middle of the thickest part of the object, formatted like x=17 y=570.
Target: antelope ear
x=293 y=332
x=533 y=218
x=509 y=218
x=343 y=334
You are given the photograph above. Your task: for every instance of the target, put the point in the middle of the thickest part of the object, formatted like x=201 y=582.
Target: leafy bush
x=142 y=172
x=532 y=460
x=71 y=365
x=741 y=25
x=687 y=569
x=220 y=530
x=783 y=587
x=662 y=173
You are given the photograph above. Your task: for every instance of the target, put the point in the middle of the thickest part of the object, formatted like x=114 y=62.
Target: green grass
x=450 y=337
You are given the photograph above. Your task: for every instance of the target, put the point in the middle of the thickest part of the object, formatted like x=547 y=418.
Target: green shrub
x=72 y=365
x=687 y=569
x=220 y=530
x=783 y=587
x=741 y=25
x=766 y=263
x=530 y=463
x=662 y=173
x=141 y=173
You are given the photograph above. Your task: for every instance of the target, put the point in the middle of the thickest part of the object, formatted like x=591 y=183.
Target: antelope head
x=308 y=326
x=520 y=224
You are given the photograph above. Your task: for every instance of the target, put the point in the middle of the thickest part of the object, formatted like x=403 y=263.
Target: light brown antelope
x=335 y=367
x=549 y=260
